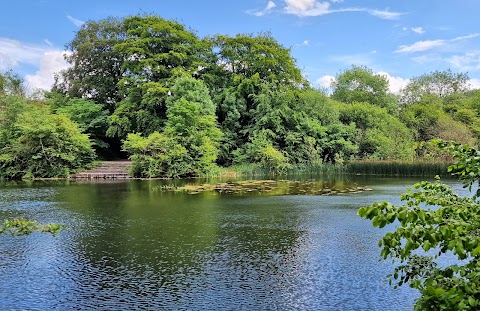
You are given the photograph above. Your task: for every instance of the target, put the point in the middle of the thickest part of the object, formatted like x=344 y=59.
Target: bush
x=36 y=143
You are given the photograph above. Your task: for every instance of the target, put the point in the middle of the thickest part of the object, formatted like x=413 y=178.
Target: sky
x=399 y=39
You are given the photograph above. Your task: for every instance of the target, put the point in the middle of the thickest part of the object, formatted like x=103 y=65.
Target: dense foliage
x=434 y=222
x=188 y=146
x=37 y=143
x=179 y=105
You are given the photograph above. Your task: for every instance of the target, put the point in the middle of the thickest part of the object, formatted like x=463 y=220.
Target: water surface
x=129 y=246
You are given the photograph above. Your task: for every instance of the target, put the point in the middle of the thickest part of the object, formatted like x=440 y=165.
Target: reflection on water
x=128 y=246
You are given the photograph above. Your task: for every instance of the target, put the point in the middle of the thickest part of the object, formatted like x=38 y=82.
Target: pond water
x=129 y=245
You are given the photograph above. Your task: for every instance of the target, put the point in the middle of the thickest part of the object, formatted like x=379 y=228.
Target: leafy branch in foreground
x=435 y=221
x=21 y=226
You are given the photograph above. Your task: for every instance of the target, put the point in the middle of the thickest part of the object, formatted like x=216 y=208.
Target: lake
x=129 y=246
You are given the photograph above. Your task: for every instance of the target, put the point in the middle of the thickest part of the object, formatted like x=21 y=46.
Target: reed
x=398 y=168
x=360 y=167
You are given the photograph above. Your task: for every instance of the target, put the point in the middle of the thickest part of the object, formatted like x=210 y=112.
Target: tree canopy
x=146 y=86
x=360 y=84
x=438 y=83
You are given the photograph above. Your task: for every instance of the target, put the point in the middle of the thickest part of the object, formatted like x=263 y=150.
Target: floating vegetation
x=271 y=187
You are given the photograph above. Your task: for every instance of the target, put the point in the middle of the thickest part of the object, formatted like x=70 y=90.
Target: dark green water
x=128 y=246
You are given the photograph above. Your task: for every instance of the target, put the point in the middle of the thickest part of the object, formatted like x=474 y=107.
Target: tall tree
x=155 y=52
x=246 y=64
x=360 y=84
x=189 y=144
x=96 y=66
x=247 y=55
x=438 y=83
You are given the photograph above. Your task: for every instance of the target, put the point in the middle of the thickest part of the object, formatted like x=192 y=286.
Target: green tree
x=428 y=120
x=438 y=83
x=37 y=143
x=245 y=65
x=261 y=151
x=360 y=84
x=303 y=124
x=96 y=67
x=11 y=84
x=189 y=144
x=155 y=53
x=465 y=108
x=379 y=135
x=157 y=156
x=247 y=55
x=92 y=118
x=433 y=222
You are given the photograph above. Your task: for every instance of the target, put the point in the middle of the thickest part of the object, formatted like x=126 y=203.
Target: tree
x=157 y=156
x=303 y=124
x=96 y=66
x=359 y=84
x=246 y=64
x=428 y=121
x=433 y=222
x=92 y=118
x=379 y=135
x=155 y=52
x=189 y=144
x=260 y=150
x=37 y=143
x=191 y=121
x=247 y=55
x=11 y=84
x=438 y=83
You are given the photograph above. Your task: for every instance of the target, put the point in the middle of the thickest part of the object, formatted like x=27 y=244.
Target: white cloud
x=467 y=61
x=474 y=84
x=421 y=46
x=395 y=83
x=427 y=58
x=75 y=21
x=325 y=82
x=48 y=42
x=15 y=54
x=306 y=42
x=52 y=62
x=418 y=30
x=470 y=36
x=384 y=14
x=305 y=8
x=270 y=5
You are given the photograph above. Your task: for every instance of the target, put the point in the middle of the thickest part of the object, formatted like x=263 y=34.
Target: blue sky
x=401 y=39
